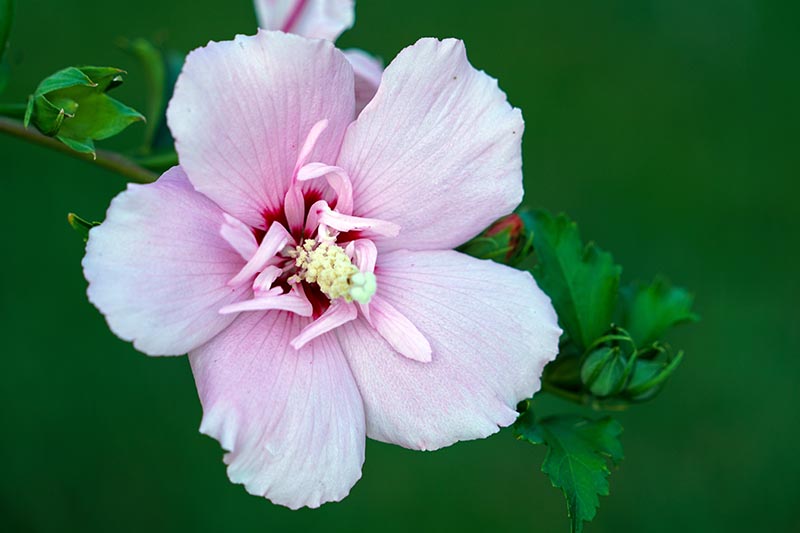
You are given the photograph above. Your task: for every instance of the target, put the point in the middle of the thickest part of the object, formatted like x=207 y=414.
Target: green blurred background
x=667 y=129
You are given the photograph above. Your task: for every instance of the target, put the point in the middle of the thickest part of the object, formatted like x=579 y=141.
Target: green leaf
x=650 y=310
x=73 y=106
x=582 y=281
x=576 y=459
x=81 y=225
x=507 y=241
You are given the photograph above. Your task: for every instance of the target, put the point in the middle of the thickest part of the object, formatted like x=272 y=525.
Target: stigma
x=326 y=264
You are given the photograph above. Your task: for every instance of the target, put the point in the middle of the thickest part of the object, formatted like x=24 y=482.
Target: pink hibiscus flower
x=324 y=19
x=304 y=259
x=318 y=19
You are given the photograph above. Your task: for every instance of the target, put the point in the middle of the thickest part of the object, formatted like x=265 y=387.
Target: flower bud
x=649 y=377
x=72 y=105
x=506 y=241
x=604 y=371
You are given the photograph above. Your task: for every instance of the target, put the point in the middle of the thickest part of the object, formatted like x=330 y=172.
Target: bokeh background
x=668 y=129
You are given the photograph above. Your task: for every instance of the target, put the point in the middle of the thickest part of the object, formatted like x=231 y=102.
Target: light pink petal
x=274 y=240
x=342 y=222
x=399 y=331
x=309 y=144
x=437 y=151
x=243 y=109
x=335 y=315
x=292 y=420
x=291 y=301
x=318 y=19
x=491 y=331
x=263 y=282
x=368 y=71
x=294 y=207
x=363 y=253
x=314 y=212
x=239 y=236
x=337 y=179
x=158 y=267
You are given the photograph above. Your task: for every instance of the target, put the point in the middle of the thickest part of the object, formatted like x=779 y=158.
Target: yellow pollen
x=326 y=264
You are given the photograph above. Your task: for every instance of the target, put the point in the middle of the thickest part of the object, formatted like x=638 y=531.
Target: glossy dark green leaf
x=576 y=461
x=73 y=106
x=649 y=310
x=582 y=281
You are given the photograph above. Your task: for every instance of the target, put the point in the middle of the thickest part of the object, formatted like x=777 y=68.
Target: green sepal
x=582 y=281
x=81 y=225
x=72 y=105
x=577 y=456
x=649 y=377
x=507 y=241
x=85 y=147
x=649 y=310
x=49 y=117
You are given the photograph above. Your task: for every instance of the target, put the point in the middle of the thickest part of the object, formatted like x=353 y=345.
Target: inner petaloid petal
x=317 y=271
x=293 y=301
x=337 y=314
x=399 y=331
x=319 y=261
x=324 y=263
x=337 y=179
x=276 y=239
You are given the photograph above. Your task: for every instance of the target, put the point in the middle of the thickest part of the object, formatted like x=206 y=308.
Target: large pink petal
x=158 y=268
x=491 y=329
x=242 y=110
x=292 y=420
x=318 y=19
x=368 y=71
x=436 y=151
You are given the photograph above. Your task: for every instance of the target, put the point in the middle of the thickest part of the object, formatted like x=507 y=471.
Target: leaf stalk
x=109 y=160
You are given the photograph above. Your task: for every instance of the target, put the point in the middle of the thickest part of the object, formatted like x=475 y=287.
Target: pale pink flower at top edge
x=324 y=19
x=305 y=260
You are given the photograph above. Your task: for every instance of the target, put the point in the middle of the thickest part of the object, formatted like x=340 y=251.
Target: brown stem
x=108 y=160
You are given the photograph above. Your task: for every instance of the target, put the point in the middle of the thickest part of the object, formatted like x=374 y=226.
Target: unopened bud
x=506 y=241
x=649 y=377
x=72 y=105
x=604 y=371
